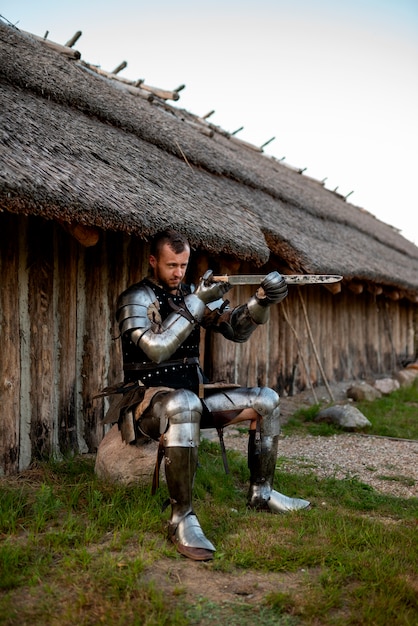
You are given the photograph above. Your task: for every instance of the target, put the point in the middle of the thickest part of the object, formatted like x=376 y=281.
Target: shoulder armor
x=140 y=294
x=133 y=306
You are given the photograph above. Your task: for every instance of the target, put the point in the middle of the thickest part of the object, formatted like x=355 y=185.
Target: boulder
x=118 y=462
x=363 y=391
x=346 y=416
x=406 y=376
x=386 y=385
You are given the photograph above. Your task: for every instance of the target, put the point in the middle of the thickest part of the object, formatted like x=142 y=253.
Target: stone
x=363 y=391
x=118 y=462
x=346 y=416
x=406 y=376
x=386 y=385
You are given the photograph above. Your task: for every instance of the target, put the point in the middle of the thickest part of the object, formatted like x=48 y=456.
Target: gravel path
x=388 y=465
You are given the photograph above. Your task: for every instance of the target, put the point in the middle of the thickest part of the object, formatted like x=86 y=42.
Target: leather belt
x=128 y=367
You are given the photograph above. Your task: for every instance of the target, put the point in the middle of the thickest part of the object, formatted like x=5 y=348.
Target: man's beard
x=165 y=285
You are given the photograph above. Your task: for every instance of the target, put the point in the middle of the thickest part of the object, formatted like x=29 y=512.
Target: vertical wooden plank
x=65 y=290
x=93 y=369
x=10 y=348
x=41 y=263
x=116 y=245
x=25 y=444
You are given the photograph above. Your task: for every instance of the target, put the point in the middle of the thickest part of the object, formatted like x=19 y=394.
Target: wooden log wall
x=59 y=340
x=341 y=337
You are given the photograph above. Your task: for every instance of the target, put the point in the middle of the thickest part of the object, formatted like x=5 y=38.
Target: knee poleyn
x=267 y=406
x=182 y=406
x=181 y=412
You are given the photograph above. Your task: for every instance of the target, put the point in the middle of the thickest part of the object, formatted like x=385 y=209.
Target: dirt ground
x=201 y=580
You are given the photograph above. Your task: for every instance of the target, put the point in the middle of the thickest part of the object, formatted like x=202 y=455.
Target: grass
x=74 y=550
x=395 y=415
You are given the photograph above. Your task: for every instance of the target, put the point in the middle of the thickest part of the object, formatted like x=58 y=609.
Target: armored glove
x=209 y=291
x=273 y=289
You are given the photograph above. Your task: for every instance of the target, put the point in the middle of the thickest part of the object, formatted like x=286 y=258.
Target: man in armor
x=159 y=320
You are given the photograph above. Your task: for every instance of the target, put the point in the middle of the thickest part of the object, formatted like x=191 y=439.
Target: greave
x=184 y=528
x=180 y=469
x=262 y=457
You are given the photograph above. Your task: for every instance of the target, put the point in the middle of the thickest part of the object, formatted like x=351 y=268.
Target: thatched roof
x=80 y=147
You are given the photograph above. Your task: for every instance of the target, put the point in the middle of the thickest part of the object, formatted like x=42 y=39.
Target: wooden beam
x=161 y=93
x=87 y=236
x=128 y=85
x=333 y=288
x=375 y=290
x=57 y=47
x=412 y=297
x=356 y=288
x=205 y=130
x=393 y=295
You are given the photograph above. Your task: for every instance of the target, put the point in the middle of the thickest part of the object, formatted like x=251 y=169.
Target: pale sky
x=334 y=81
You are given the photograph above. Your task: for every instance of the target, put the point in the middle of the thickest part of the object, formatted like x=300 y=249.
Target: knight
x=160 y=319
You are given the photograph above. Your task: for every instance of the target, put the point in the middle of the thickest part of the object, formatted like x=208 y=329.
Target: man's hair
x=175 y=240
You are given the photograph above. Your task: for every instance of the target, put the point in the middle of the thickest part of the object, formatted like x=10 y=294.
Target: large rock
x=119 y=462
x=346 y=416
x=363 y=391
x=386 y=385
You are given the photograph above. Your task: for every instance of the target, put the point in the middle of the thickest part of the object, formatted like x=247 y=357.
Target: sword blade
x=291 y=279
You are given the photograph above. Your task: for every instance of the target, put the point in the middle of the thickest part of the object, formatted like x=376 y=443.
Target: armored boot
x=184 y=529
x=181 y=440
x=262 y=455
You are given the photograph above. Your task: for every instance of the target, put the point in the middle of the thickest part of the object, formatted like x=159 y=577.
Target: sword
x=291 y=279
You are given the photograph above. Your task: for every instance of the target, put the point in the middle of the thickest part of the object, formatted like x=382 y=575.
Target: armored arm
x=239 y=323
x=159 y=339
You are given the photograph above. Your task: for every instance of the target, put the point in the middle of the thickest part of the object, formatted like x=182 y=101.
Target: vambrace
x=159 y=346
x=243 y=321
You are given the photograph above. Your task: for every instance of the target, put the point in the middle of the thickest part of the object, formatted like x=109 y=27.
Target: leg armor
x=262 y=465
x=262 y=446
x=181 y=410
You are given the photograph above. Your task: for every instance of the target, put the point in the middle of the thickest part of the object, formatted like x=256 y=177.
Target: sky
x=335 y=82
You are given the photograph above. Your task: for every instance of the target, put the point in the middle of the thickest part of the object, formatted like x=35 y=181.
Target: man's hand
x=273 y=289
x=209 y=291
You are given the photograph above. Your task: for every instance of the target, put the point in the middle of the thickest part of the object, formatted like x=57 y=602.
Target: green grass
x=74 y=550
x=395 y=415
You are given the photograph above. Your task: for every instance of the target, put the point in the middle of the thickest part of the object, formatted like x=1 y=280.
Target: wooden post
x=73 y=39
x=11 y=335
x=318 y=360
x=305 y=365
x=119 y=68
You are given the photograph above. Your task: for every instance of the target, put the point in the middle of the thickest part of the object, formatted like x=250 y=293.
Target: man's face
x=169 y=268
